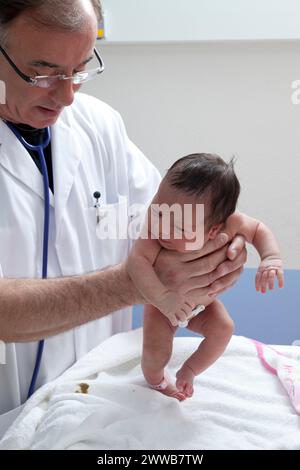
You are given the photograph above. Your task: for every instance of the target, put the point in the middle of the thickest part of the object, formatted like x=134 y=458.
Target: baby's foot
x=185 y=379
x=167 y=388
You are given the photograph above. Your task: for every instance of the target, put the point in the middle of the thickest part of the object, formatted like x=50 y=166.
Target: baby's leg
x=158 y=336
x=217 y=327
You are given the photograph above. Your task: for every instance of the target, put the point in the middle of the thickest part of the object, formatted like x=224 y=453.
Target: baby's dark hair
x=205 y=174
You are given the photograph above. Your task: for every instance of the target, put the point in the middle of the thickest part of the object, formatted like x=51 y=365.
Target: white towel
x=237 y=404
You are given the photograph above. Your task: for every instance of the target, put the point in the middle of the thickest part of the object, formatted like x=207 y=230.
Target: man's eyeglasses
x=50 y=81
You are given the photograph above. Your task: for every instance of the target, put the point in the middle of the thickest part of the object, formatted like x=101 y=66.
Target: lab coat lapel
x=17 y=161
x=66 y=157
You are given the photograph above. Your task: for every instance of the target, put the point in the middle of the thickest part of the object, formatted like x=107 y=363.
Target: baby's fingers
x=266 y=279
x=280 y=278
x=180 y=315
x=264 y=282
x=173 y=320
x=258 y=280
x=184 y=312
x=271 y=278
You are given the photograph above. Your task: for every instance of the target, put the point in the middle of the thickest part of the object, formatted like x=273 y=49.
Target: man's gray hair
x=54 y=14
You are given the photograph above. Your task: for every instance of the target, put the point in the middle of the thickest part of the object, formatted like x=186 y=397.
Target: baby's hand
x=266 y=273
x=175 y=308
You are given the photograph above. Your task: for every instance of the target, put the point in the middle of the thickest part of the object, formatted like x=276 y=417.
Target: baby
x=194 y=182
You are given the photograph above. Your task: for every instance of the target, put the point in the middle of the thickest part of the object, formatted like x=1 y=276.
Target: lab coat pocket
x=109 y=229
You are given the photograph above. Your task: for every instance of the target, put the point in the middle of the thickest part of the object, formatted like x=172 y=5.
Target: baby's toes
x=180 y=396
x=188 y=390
x=180 y=384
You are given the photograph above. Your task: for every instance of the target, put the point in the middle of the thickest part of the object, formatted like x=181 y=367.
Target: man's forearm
x=32 y=309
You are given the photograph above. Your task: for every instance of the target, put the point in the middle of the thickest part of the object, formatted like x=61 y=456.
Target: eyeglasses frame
x=33 y=80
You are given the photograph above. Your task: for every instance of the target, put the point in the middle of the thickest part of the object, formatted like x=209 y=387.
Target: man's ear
x=213 y=231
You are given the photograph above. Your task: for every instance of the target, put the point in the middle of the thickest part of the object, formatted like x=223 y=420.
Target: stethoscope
x=40 y=150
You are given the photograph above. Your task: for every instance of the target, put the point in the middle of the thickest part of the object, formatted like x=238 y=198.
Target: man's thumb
x=221 y=239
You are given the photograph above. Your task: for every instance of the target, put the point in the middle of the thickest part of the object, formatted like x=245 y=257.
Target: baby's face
x=176 y=219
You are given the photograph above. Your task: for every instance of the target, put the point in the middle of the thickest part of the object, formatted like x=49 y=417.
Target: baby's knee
x=225 y=327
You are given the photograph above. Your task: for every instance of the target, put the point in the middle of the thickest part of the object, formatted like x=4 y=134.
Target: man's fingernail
x=223 y=238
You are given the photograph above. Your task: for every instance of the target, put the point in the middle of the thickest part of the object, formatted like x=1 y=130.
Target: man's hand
x=205 y=273
x=231 y=268
x=174 y=306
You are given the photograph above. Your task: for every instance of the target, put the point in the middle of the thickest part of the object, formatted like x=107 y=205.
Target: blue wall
x=272 y=318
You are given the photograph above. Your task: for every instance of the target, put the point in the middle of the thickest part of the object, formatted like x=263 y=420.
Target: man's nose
x=63 y=93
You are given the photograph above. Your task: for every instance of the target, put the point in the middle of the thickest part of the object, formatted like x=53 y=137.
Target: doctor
x=45 y=45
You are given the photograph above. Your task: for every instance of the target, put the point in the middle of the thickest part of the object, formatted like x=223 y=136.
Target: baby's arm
x=140 y=268
x=262 y=238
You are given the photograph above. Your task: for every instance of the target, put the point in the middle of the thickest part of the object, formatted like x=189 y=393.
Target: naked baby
x=206 y=190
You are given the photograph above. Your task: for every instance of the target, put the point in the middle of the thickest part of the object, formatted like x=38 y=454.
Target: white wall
x=231 y=98
x=192 y=20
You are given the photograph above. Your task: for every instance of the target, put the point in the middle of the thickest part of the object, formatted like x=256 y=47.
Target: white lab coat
x=90 y=152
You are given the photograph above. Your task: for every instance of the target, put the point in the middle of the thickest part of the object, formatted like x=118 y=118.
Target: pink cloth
x=286 y=368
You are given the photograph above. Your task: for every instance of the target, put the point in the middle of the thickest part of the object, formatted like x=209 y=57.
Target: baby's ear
x=213 y=231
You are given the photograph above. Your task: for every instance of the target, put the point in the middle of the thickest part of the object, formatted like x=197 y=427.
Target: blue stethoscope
x=40 y=150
